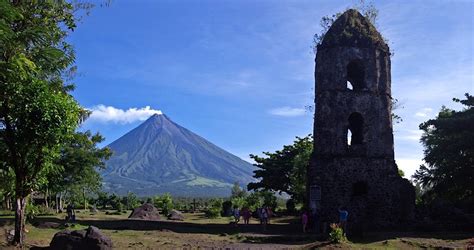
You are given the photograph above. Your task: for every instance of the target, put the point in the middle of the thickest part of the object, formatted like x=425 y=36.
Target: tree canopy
x=284 y=170
x=37 y=114
x=449 y=154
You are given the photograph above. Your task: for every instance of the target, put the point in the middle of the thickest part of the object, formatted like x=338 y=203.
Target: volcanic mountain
x=160 y=156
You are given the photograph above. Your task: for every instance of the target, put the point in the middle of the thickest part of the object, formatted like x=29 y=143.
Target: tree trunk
x=46 y=198
x=61 y=202
x=56 y=200
x=85 y=200
x=19 y=220
x=8 y=203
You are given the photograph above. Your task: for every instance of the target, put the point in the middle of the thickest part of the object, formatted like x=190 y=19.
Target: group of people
x=343 y=215
x=263 y=214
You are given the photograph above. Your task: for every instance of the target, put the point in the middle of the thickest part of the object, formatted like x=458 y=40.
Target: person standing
x=71 y=215
x=343 y=215
x=236 y=215
x=246 y=214
x=304 y=220
x=265 y=216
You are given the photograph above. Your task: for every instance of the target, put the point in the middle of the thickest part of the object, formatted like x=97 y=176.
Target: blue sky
x=240 y=73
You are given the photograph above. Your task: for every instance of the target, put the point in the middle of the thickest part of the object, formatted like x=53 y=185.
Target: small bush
x=31 y=211
x=43 y=210
x=290 y=206
x=214 y=209
x=337 y=234
x=226 y=208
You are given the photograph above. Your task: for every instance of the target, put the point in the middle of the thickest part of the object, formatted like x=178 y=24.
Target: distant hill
x=160 y=156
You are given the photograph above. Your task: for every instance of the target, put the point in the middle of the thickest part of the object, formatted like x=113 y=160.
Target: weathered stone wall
x=363 y=176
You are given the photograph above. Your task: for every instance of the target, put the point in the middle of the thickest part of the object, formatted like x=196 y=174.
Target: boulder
x=145 y=212
x=47 y=224
x=176 y=215
x=91 y=238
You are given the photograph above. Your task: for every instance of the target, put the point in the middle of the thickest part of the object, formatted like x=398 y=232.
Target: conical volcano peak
x=352 y=29
x=160 y=156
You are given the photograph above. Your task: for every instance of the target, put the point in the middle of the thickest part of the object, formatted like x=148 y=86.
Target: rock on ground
x=145 y=212
x=91 y=238
x=176 y=215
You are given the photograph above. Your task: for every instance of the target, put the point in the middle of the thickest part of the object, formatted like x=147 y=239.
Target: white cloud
x=106 y=114
x=412 y=135
x=424 y=112
x=287 y=111
x=409 y=165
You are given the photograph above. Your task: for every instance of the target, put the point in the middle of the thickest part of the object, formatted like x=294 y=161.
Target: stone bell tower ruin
x=353 y=162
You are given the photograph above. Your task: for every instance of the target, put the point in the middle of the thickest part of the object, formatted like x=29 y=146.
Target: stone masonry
x=353 y=162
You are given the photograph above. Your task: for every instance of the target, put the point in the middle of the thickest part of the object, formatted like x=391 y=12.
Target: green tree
x=36 y=112
x=164 y=202
x=75 y=170
x=237 y=191
x=102 y=200
x=131 y=201
x=449 y=154
x=253 y=201
x=214 y=208
x=284 y=170
x=114 y=201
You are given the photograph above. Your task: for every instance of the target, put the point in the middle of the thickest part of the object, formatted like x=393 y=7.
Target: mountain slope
x=160 y=156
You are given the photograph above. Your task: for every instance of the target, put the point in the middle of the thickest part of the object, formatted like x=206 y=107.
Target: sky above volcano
x=240 y=73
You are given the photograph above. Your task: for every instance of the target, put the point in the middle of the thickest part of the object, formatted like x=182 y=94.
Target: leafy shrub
x=31 y=211
x=226 y=208
x=290 y=206
x=120 y=207
x=164 y=202
x=238 y=202
x=253 y=201
x=43 y=210
x=337 y=234
x=214 y=209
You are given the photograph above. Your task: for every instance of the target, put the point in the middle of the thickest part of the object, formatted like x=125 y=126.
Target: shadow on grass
x=372 y=237
x=276 y=233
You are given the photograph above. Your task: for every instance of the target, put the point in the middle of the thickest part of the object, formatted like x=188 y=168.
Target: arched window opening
x=349 y=137
x=356 y=128
x=359 y=188
x=349 y=86
x=356 y=75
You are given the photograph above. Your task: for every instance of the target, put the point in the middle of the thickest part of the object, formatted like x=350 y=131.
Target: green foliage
x=269 y=199
x=102 y=200
x=115 y=202
x=130 y=201
x=164 y=202
x=238 y=202
x=253 y=201
x=367 y=9
x=401 y=173
x=284 y=170
x=449 y=154
x=37 y=114
x=75 y=171
x=336 y=234
x=31 y=211
x=214 y=208
x=226 y=208
x=237 y=191
x=290 y=206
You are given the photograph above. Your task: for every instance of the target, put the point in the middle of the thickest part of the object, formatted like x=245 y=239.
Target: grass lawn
x=197 y=231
